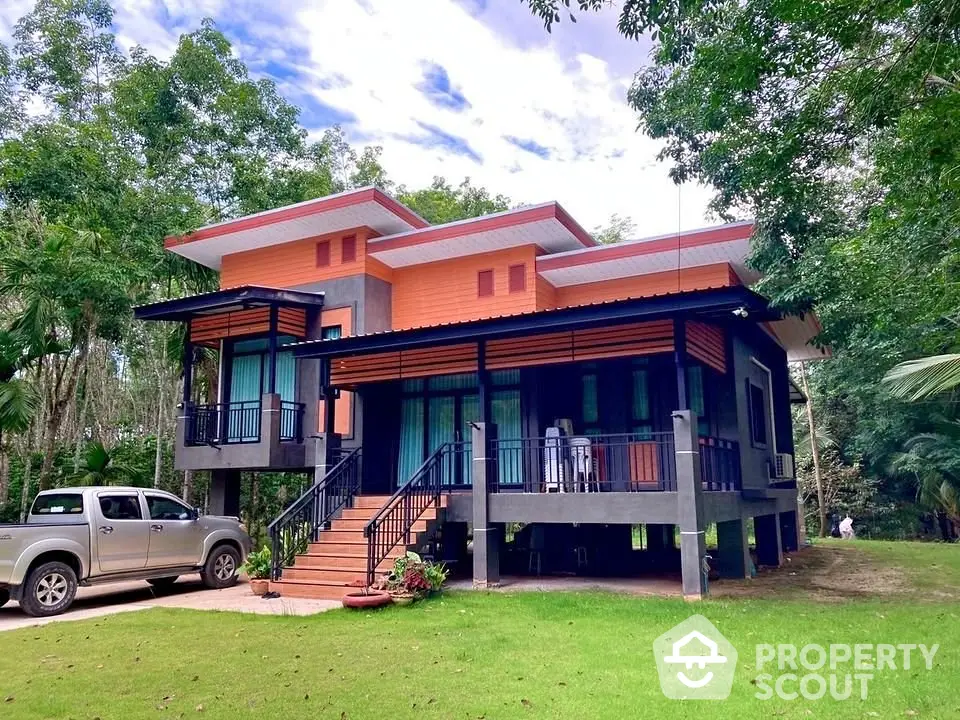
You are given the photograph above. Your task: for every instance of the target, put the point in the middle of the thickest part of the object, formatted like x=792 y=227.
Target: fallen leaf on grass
x=526 y=703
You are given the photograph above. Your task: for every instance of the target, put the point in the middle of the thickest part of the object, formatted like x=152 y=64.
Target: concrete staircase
x=328 y=568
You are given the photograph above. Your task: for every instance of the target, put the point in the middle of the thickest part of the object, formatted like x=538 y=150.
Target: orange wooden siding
x=210 y=329
x=696 y=278
x=343 y=407
x=446 y=291
x=706 y=344
x=295 y=263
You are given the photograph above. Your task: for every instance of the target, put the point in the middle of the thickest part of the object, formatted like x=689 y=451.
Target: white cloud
x=572 y=105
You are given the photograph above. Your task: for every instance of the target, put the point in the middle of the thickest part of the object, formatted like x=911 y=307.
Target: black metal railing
x=394 y=522
x=719 y=464
x=300 y=524
x=625 y=462
x=223 y=423
x=291 y=421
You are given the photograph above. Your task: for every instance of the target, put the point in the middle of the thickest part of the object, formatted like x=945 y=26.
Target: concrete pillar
x=270 y=419
x=690 y=504
x=486 y=535
x=769 y=547
x=733 y=549
x=224 y=496
x=789 y=531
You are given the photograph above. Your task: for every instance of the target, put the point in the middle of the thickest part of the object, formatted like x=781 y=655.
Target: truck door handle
x=157 y=528
x=106 y=529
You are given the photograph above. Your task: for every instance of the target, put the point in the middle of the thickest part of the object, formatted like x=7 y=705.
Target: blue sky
x=451 y=87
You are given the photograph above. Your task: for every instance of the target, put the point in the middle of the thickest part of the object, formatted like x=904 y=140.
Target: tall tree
x=442 y=202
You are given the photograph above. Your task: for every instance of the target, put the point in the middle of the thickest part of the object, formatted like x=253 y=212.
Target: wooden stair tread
x=332 y=564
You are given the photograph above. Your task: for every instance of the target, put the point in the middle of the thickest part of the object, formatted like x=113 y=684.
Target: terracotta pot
x=373 y=599
x=259 y=586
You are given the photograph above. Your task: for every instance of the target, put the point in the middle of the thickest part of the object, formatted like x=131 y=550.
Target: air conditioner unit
x=783 y=466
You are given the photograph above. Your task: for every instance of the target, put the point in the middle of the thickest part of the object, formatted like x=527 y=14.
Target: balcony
x=250 y=434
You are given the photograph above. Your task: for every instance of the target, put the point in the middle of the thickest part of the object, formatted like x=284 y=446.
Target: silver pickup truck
x=92 y=535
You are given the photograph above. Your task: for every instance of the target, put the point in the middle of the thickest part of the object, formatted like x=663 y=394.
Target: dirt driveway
x=188 y=593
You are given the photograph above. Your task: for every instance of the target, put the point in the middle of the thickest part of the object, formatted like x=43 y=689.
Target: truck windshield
x=58 y=504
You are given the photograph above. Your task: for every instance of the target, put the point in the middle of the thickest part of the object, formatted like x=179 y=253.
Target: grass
x=466 y=655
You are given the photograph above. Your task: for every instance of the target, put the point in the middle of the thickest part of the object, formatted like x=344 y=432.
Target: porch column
x=689 y=504
x=483 y=382
x=733 y=547
x=272 y=350
x=769 y=547
x=789 y=532
x=680 y=361
x=486 y=536
x=224 y=496
x=187 y=369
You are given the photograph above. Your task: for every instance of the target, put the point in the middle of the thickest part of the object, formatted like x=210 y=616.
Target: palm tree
x=925 y=377
x=99 y=468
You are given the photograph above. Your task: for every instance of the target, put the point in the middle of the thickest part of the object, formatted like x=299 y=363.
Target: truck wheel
x=164 y=582
x=4 y=597
x=220 y=570
x=49 y=590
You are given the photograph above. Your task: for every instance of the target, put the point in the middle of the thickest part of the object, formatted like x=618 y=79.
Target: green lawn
x=467 y=655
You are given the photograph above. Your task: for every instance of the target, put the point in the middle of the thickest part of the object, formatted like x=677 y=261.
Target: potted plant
x=413 y=578
x=365 y=597
x=259 y=567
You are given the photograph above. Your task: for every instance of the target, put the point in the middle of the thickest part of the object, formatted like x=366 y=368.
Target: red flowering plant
x=412 y=576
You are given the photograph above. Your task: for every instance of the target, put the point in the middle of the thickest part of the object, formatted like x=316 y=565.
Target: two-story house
x=442 y=382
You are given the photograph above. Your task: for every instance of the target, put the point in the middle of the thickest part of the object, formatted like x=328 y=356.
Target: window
x=332 y=332
x=120 y=507
x=323 y=253
x=348 y=249
x=517 y=278
x=58 y=504
x=485 y=283
x=758 y=415
x=164 y=508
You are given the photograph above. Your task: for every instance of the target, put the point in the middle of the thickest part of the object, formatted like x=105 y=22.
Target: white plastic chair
x=553 y=479
x=584 y=470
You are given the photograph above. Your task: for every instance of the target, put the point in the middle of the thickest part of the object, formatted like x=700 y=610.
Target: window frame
x=189 y=510
x=348 y=241
x=752 y=408
x=322 y=253
x=483 y=291
x=518 y=273
x=108 y=494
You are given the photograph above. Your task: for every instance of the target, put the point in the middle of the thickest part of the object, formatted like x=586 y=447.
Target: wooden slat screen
x=406 y=364
x=208 y=329
x=549 y=348
x=706 y=344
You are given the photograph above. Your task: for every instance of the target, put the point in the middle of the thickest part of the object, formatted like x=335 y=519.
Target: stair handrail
x=396 y=517
x=300 y=523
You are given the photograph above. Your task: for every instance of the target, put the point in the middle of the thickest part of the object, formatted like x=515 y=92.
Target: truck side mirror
x=197 y=512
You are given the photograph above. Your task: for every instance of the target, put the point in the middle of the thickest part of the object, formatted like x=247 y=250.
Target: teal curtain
x=591 y=411
x=642 y=421
x=411 y=438
x=505 y=411
x=453 y=382
x=245 y=379
x=442 y=427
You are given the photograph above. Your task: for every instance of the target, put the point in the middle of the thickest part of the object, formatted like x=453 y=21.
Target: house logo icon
x=695 y=661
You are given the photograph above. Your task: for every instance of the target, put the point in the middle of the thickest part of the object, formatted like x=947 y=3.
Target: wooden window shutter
x=517 y=278
x=323 y=253
x=485 y=283
x=348 y=249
